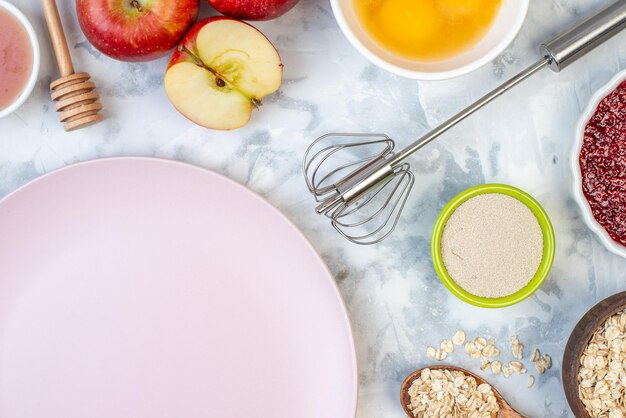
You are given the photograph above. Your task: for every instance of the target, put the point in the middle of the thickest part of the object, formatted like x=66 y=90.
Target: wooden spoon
x=75 y=96
x=506 y=411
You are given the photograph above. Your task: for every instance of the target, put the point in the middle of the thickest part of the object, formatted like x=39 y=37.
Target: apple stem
x=136 y=5
x=218 y=77
x=220 y=80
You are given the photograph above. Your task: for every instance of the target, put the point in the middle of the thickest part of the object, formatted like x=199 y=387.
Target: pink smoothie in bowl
x=19 y=58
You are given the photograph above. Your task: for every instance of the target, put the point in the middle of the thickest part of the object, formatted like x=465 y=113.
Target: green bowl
x=548 y=246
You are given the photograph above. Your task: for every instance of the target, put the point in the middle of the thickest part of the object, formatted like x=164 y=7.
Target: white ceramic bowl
x=608 y=242
x=36 y=58
x=504 y=29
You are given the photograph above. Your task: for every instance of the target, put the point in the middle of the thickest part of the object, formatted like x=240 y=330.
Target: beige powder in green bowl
x=492 y=245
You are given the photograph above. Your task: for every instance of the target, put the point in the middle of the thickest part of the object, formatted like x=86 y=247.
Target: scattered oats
x=439 y=393
x=472 y=350
x=476 y=353
x=447 y=346
x=597 y=359
x=459 y=338
x=535 y=356
x=480 y=343
x=547 y=361
x=602 y=372
x=517 y=348
x=496 y=367
x=430 y=352
x=541 y=362
x=516 y=366
x=490 y=351
x=540 y=367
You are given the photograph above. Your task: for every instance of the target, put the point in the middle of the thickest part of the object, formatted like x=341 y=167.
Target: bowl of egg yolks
x=430 y=39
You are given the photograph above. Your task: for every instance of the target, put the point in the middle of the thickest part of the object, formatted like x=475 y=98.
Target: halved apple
x=221 y=71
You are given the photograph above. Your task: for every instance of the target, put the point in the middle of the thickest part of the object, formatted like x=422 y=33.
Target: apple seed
x=220 y=80
x=136 y=5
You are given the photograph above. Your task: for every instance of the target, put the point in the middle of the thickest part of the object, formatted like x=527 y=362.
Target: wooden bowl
x=506 y=411
x=577 y=342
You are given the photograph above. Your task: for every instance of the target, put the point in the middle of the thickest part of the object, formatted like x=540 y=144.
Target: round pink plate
x=145 y=288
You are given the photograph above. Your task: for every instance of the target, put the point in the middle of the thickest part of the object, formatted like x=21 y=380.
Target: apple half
x=221 y=71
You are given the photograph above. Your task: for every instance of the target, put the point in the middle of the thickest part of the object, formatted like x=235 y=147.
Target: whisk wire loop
x=377 y=226
x=315 y=159
x=338 y=170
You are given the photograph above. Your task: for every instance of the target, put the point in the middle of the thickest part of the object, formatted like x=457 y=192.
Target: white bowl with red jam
x=598 y=164
x=19 y=61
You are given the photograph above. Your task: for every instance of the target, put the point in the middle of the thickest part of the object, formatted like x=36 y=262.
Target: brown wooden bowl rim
x=576 y=343
x=404 y=389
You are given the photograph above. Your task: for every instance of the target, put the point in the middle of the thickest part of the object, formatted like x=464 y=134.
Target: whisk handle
x=585 y=36
x=399 y=158
x=559 y=52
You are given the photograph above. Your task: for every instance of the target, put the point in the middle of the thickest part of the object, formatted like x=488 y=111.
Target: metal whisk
x=366 y=187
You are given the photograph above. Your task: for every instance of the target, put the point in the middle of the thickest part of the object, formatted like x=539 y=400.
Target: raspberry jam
x=602 y=162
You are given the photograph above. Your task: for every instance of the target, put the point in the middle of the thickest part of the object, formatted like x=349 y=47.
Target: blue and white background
x=396 y=303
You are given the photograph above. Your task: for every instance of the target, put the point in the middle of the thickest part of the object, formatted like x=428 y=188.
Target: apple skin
x=253 y=9
x=190 y=41
x=136 y=30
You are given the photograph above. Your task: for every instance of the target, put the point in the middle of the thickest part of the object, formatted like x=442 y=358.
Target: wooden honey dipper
x=75 y=96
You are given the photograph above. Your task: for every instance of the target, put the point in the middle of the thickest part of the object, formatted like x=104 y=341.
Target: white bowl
x=591 y=222
x=503 y=30
x=36 y=58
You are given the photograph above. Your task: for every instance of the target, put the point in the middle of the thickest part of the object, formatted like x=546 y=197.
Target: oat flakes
x=535 y=356
x=602 y=375
x=459 y=338
x=496 y=367
x=517 y=348
x=447 y=346
x=430 y=352
x=437 y=393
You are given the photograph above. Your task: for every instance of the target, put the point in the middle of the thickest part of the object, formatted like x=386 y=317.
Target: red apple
x=253 y=9
x=136 y=30
x=221 y=71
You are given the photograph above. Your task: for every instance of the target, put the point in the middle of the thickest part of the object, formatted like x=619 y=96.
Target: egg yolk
x=427 y=30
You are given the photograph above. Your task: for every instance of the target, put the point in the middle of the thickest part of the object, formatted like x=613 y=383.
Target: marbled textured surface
x=397 y=305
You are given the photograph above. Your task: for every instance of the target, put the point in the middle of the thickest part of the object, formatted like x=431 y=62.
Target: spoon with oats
x=448 y=389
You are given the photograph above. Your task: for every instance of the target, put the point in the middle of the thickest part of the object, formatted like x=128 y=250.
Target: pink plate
x=144 y=288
